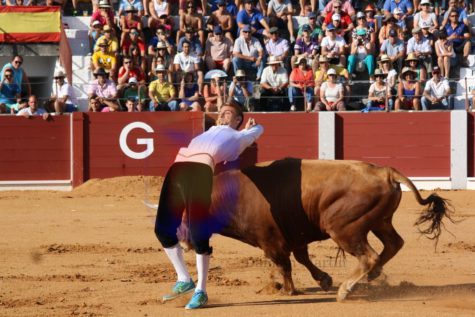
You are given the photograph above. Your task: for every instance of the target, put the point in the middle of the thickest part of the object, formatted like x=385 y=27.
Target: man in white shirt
x=188 y=185
x=33 y=110
x=63 y=94
x=436 y=93
x=421 y=48
x=274 y=83
x=248 y=54
x=187 y=62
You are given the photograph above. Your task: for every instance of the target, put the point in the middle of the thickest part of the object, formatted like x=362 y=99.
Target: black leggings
x=187 y=185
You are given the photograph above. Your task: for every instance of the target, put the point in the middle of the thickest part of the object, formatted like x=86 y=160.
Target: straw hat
x=411 y=57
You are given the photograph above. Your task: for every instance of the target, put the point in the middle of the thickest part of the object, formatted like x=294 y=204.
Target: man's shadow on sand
x=402 y=292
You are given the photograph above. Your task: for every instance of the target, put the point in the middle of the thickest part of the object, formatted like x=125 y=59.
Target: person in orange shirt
x=302 y=82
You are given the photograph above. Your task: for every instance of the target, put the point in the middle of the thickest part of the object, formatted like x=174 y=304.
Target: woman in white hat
x=426 y=18
x=409 y=91
x=332 y=94
x=379 y=95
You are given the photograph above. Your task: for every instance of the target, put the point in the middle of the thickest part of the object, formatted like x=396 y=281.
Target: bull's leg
x=367 y=258
x=325 y=280
x=392 y=242
x=282 y=261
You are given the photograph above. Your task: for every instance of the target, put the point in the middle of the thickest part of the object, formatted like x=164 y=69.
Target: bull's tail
x=437 y=208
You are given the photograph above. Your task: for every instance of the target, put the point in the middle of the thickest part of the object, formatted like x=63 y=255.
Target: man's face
x=228 y=116
x=17 y=62
x=248 y=6
x=337 y=7
x=161 y=75
x=186 y=48
x=32 y=103
x=436 y=75
x=101 y=79
x=246 y=34
x=8 y=76
x=418 y=36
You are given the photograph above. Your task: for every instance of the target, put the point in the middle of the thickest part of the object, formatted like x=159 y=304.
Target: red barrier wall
x=34 y=149
x=417 y=144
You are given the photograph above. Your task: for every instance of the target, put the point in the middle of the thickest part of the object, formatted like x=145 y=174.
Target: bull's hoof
x=343 y=292
x=326 y=282
x=375 y=273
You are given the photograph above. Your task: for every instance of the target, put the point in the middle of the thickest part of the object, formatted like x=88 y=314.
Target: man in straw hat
x=274 y=83
x=103 y=90
x=63 y=98
x=162 y=93
x=188 y=186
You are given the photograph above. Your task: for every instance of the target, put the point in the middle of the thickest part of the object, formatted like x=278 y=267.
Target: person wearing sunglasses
x=345 y=6
x=338 y=13
x=62 y=98
x=19 y=74
x=9 y=91
x=223 y=17
x=248 y=54
x=456 y=7
x=191 y=20
x=459 y=34
x=405 y=6
x=254 y=18
x=130 y=20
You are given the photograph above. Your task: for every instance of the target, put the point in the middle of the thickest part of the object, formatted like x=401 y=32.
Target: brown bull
x=284 y=205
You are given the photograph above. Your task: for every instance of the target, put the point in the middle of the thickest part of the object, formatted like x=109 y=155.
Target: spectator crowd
x=253 y=53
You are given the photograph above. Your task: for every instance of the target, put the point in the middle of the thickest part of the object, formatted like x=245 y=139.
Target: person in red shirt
x=105 y=14
x=127 y=71
x=338 y=13
x=301 y=83
x=133 y=38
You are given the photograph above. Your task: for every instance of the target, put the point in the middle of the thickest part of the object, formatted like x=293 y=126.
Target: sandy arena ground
x=92 y=252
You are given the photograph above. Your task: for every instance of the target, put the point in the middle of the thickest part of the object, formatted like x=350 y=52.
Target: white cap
x=59 y=73
x=336 y=17
x=397 y=11
x=360 y=15
x=132 y=80
x=331 y=71
x=160 y=68
x=96 y=22
x=425 y=2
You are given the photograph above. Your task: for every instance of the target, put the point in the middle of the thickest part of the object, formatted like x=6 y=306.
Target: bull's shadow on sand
x=367 y=292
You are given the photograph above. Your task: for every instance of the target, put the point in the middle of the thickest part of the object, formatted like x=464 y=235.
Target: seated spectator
x=19 y=74
x=389 y=23
x=162 y=93
x=104 y=14
x=394 y=50
x=404 y=5
x=338 y=14
x=428 y=35
x=159 y=11
x=361 y=24
x=219 y=51
x=229 y=5
x=426 y=18
x=332 y=94
x=305 y=9
x=333 y=47
x=420 y=47
x=189 y=94
x=409 y=91
x=215 y=94
x=341 y=27
x=417 y=67
x=248 y=54
x=132 y=106
x=370 y=18
x=445 y=53
x=400 y=20
x=241 y=90
x=33 y=110
x=103 y=90
x=390 y=73
x=130 y=22
x=63 y=97
x=160 y=36
x=345 y=6
x=108 y=36
x=223 y=18
x=195 y=45
x=94 y=33
x=379 y=96
x=185 y=61
x=133 y=38
x=137 y=4
x=459 y=34
x=436 y=93
x=129 y=70
x=253 y=18
x=277 y=46
x=301 y=83
x=136 y=92
x=457 y=7
x=9 y=91
x=280 y=13
x=191 y=20
x=315 y=24
x=274 y=83
x=95 y=106
x=103 y=59
x=320 y=76
x=361 y=53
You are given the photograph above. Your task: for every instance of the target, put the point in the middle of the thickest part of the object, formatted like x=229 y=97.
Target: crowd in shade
x=274 y=55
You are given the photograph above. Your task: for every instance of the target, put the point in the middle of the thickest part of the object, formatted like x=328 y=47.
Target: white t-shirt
x=428 y=22
x=333 y=45
x=38 y=112
x=249 y=49
x=187 y=63
x=67 y=90
x=274 y=79
x=380 y=93
x=278 y=7
x=437 y=90
x=332 y=94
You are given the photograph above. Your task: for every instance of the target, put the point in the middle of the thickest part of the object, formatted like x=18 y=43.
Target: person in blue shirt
x=230 y=7
x=195 y=44
x=404 y=5
x=9 y=90
x=458 y=33
x=19 y=74
x=253 y=17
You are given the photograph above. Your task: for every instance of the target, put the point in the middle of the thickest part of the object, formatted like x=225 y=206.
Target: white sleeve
x=248 y=136
x=427 y=87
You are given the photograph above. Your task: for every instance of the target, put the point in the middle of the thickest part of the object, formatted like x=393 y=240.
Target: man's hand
x=250 y=123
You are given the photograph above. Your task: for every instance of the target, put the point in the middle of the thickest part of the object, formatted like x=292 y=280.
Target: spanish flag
x=30 y=24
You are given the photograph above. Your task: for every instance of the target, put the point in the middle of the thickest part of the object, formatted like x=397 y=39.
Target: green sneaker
x=198 y=300
x=180 y=288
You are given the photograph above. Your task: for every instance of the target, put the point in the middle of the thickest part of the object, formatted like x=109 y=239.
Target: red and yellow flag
x=30 y=24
